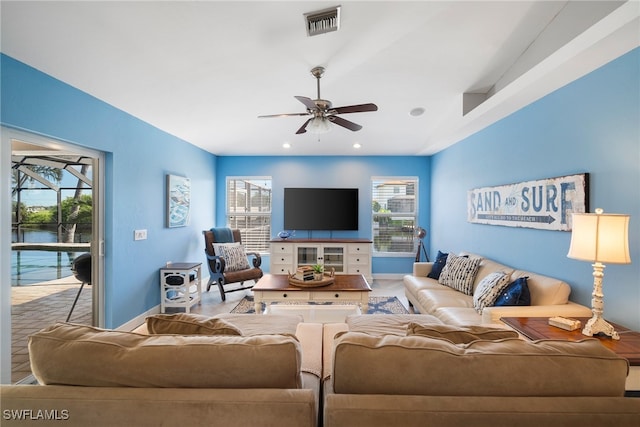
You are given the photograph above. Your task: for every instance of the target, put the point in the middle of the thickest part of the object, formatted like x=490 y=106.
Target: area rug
x=377 y=305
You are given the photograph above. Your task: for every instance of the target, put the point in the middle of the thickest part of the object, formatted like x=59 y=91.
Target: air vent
x=322 y=21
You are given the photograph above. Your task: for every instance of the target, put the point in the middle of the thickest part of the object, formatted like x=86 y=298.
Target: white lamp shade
x=600 y=237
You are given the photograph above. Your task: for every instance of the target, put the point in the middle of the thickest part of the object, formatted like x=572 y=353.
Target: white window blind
x=249 y=210
x=394 y=213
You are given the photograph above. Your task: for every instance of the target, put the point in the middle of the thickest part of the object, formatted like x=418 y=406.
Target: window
x=249 y=210
x=395 y=211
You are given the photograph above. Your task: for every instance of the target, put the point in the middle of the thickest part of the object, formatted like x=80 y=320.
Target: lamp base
x=597 y=325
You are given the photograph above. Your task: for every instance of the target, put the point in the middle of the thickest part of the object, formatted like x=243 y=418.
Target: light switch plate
x=139 y=234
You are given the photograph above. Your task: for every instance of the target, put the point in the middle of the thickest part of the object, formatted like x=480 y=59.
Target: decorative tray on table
x=327 y=279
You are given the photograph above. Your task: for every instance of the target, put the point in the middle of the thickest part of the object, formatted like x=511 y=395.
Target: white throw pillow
x=489 y=288
x=234 y=255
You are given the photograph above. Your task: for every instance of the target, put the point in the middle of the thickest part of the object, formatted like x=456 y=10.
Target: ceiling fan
x=323 y=113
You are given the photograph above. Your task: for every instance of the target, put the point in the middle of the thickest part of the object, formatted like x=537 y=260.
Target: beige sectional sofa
x=267 y=376
x=395 y=370
x=549 y=296
x=274 y=370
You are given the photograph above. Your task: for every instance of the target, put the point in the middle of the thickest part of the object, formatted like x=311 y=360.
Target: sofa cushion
x=458 y=316
x=438 y=265
x=544 y=290
x=383 y=324
x=417 y=365
x=234 y=255
x=263 y=325
x=68 y=354
x=516 y=293
x=459 y=273
x=189 y=324
x=433 y=299
x=460 y=334
x=489 y=288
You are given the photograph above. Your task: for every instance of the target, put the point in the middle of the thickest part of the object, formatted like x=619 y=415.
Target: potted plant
x=318 y=271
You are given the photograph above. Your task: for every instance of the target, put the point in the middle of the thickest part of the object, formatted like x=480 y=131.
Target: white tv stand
x=345 y=256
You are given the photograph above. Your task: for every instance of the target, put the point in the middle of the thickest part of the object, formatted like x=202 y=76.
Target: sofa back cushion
x=544 y=290
x=189 y=324
x=67 y=354
x=460 y=334
x=418 y=365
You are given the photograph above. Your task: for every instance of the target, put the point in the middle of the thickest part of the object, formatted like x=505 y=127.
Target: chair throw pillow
x=234 y=255
x=516 y=293
x=489 y=289
x=189 y=324
x=459 y=273
x=438 y=265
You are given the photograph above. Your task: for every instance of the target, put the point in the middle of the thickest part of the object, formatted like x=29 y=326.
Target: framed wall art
x=544 y=204
x=178 y=201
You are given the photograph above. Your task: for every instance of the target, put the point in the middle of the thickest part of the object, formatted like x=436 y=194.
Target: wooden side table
x=628 y=346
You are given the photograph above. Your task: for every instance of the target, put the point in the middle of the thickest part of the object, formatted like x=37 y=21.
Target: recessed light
x=418 y=111
x=286 y=145
x=357 y=145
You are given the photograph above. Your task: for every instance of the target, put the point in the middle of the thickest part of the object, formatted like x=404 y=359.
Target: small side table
x=180 y=285
x=628 y=346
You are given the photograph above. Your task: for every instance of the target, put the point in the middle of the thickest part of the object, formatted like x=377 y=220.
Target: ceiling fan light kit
x=318 y=125
x=323 y=113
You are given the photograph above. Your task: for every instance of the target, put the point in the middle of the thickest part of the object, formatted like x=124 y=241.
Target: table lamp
x=599 y=238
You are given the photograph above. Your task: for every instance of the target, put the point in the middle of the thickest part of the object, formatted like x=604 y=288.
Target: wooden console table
x=628 y=346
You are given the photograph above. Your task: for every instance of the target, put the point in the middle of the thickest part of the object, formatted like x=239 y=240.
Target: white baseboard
x=138 y=320
x=389 y=276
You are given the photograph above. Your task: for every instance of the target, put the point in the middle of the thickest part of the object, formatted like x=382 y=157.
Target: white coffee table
x=347 y=292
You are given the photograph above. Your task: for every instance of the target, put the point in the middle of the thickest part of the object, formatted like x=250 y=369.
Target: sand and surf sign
x=544 y=204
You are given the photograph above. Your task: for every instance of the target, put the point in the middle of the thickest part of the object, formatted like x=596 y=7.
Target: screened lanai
x=51 y=225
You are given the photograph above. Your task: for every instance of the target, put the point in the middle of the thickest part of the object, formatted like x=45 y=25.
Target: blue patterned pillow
x=438 y=265
x=459 y=273
x=516 y=293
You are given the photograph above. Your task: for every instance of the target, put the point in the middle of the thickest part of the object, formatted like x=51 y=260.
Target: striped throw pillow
x=459 y=273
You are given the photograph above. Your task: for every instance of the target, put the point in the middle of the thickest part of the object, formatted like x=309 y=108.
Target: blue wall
x=591 y=125
x=138 y=158
x=328 y=171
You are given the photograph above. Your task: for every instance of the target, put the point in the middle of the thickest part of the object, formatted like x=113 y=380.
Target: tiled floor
x=36 y=306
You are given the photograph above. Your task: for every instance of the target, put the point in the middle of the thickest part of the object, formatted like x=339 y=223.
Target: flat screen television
x=321 y=208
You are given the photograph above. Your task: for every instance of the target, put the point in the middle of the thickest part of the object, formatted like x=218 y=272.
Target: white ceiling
x=203 y=71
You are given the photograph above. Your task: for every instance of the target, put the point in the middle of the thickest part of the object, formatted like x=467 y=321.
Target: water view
x=30 y=267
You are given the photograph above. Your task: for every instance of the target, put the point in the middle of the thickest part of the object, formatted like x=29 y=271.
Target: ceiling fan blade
x=308 y=102
x=361 y=108
x=268 y=116
x=345 y=123
x=303 y=128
